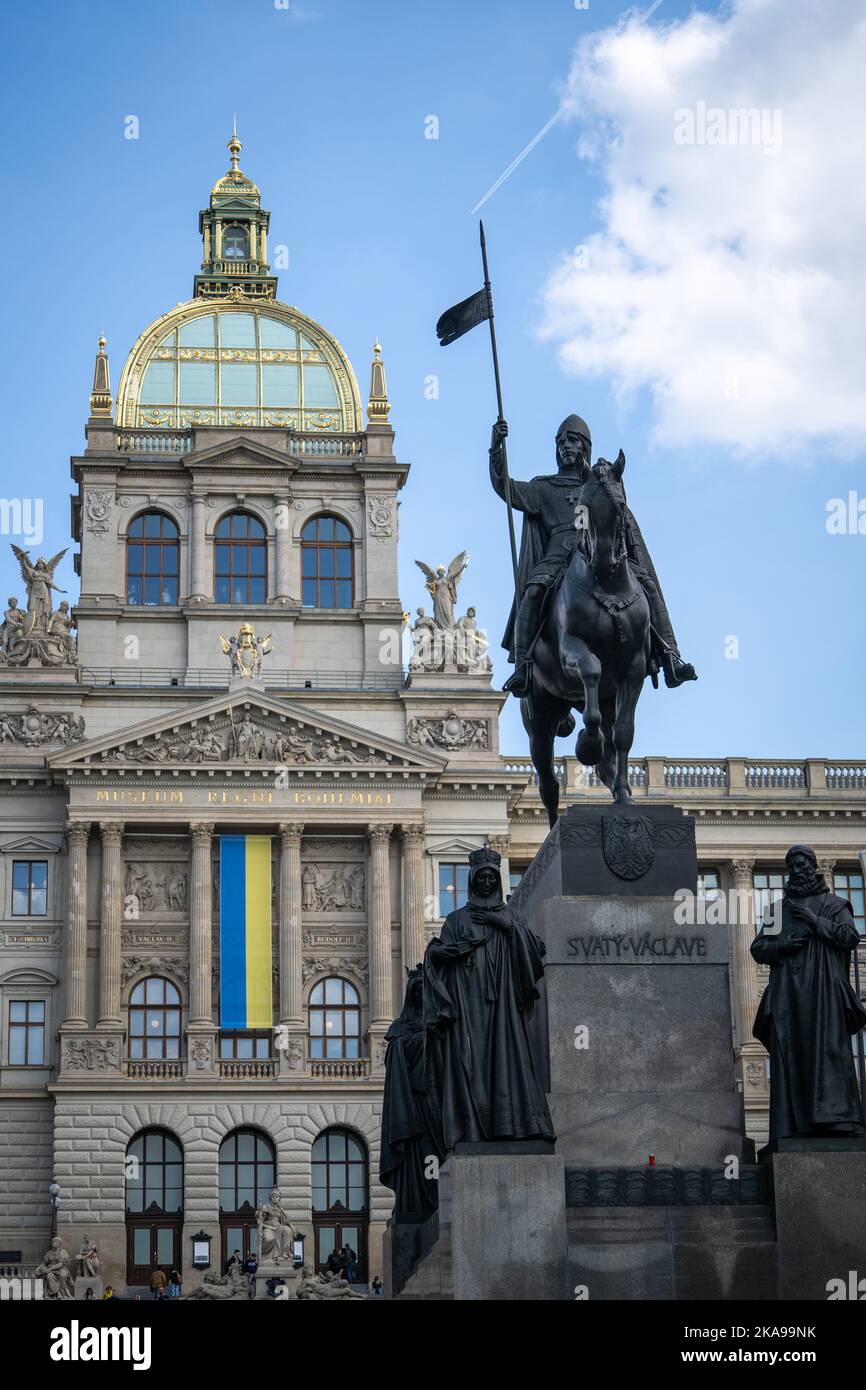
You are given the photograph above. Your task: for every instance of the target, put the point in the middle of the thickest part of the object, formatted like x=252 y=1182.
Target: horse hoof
x=622 y=795
x=590 y=748
x=565 y=726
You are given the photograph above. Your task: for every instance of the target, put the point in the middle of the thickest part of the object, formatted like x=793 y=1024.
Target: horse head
x=601 y=512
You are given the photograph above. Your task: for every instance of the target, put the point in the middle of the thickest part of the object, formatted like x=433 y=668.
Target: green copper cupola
x=234 y=229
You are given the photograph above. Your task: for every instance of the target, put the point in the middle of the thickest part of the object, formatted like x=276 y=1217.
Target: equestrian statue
x=589 y=621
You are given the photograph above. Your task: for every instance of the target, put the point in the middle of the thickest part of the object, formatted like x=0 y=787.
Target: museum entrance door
x=340 y=1197
x=151 y=1245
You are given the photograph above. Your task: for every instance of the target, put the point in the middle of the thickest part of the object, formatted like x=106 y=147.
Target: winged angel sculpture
x=38 y=636
x=442 y=585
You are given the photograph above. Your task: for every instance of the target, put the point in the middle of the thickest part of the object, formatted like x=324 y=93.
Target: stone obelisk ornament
x=809 y=1012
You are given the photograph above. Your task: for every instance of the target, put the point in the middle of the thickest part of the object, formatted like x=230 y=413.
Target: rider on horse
x=551 y=530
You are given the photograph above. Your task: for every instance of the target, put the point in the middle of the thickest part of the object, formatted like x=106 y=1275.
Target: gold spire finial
x=235 y=145
x=378 y=406
x=100 y=396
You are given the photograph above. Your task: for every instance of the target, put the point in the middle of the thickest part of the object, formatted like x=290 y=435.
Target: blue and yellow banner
x=245 y=932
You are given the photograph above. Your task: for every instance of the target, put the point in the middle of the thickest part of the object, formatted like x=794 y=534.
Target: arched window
x=340 y=1195
x=152 y=560
x=247 y=1176
x=154 y=1019
x=235 y=244
x=326 y=563
x=154 y=1205
x=335 y=1019
x=240 y=560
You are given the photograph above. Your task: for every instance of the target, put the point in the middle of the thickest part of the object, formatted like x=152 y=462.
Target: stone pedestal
x=639 y=1012
x=820 y=1198
x=290 y=1276
x=502 y=1206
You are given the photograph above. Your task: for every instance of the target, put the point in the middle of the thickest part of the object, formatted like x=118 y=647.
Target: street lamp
x=54 y=1194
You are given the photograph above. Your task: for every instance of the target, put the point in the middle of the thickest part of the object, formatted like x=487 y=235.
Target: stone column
x=283 y=515
x=291 y=937
x=199 y=588
x=200 y=946
x=263 y=238
x=252 y=231
x=745 y=981
x=379 y=928
x=111 y=916
x=414 y=939
x=218 y=239
x=826 y=867
x=77 y=836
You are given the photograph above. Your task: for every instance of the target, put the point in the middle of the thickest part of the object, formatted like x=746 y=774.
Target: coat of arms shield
x=628 y=843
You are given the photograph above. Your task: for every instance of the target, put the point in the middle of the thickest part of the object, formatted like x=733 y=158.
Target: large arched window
x=152 y=560
x=247 y=1174
x=335 y=1019
x=326 y=563
x=240 y=560
x=154 y=1019
x=154 y=1205
x=340 y=1195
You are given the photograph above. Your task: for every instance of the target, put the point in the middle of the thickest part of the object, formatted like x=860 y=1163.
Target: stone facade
x=120 y=774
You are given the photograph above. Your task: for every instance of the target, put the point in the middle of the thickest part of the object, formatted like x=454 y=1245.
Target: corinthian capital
x=379 y=834
x=112 y=833
x=741 y=871
x=291 y=834
x=202 y=832
x=412 y=835
x=78 y=834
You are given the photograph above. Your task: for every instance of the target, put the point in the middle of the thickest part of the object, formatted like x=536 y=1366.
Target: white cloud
x=727 y=280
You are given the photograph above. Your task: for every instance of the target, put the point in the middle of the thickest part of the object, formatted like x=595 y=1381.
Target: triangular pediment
x=251 y=730
x=227 y=452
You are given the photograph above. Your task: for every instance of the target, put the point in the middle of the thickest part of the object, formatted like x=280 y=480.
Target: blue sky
x=332 y=100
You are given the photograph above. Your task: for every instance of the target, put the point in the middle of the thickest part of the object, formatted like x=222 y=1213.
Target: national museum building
x=234 y=736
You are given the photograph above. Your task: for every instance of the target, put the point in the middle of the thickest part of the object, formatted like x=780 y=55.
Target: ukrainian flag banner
x=245 y=932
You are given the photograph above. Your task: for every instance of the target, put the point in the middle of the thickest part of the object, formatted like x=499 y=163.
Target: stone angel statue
x=442 y=585
x=39 y=578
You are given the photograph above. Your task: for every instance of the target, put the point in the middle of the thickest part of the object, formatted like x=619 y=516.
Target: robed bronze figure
x=481 y=978
x=809 y=1012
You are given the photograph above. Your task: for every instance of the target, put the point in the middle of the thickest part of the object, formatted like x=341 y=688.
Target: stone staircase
x=431 y=1277
x=673 y=1252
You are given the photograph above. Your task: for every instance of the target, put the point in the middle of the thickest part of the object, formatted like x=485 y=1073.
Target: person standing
x=351 y=1265
x=175 y=1282
x=158 y=1283
x=251 y=1266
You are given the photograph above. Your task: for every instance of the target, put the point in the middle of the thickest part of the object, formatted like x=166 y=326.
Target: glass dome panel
x=158 y=385
x=275 y=334
x=237 y=330
x=319 y=387
x=198 y=332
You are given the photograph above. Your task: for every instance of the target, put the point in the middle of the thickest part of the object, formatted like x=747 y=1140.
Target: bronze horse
x=593 y=648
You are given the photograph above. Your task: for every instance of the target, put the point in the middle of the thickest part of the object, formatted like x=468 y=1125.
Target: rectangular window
x=29 y=888
x=249 y=1046
x=709 y=884
x=27 y=1032
x=850 y=886
x=453 y=887
x=767 y=887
